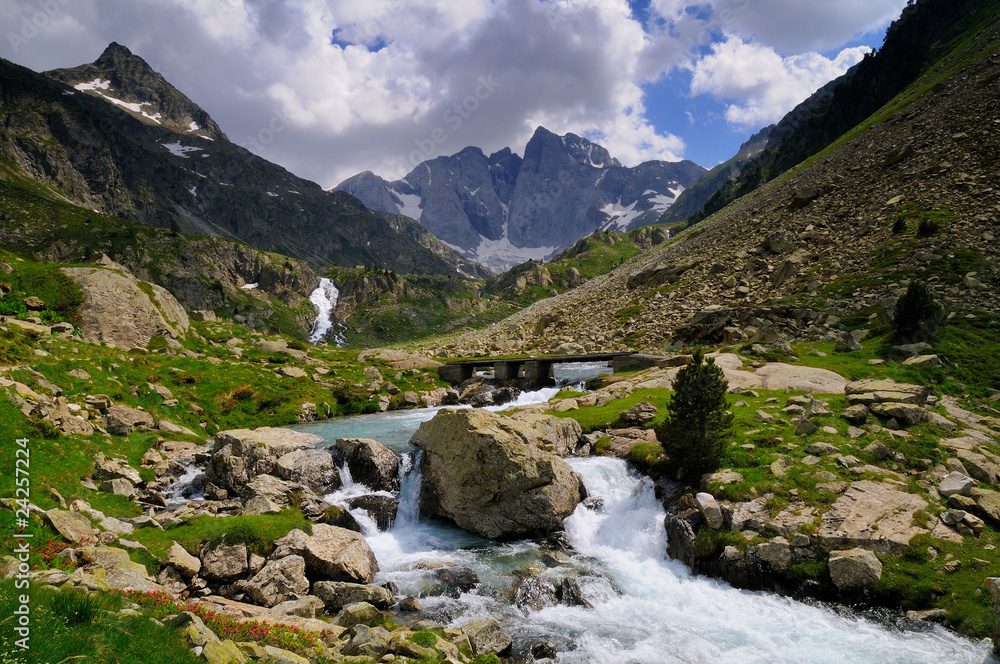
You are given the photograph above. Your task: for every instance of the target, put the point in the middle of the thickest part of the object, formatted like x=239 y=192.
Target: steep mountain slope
x=911 y=43
x=130 y=83
x=831 y=244
x=502 y=210
x=694 y=197
x=116 y=137
x=203 y=273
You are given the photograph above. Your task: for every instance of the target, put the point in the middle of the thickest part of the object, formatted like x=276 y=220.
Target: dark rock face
x=453 y=581
x=382 y=509
x=135 y=82
x=563 y=189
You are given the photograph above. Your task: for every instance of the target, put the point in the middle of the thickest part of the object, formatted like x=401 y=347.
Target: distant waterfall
x=324 y=298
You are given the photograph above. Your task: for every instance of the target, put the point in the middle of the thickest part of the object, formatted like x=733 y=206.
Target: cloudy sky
x=382 y=84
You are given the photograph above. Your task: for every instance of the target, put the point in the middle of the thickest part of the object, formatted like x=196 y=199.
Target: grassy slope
x=948 y=59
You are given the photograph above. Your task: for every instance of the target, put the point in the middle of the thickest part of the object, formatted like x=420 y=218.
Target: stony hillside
x=909 y=194
x=923 y=33
x=116 y=137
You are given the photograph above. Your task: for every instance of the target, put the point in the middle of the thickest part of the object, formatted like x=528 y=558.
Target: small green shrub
x=424 y=638
x=693 y=435
x=628 y=313
x=648 y=458
x=899 y=227
x=45 y=429
x=243 y=393
x=486 y=659
x=927 y=228
x=13 y=308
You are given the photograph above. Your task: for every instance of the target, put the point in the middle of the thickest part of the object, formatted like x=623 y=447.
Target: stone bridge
x=536 y=372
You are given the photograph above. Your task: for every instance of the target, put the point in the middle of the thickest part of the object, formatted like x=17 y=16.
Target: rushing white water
x=350 y=489
x=647 y=609
x=324 y=298
x=183 y=488
x=663 y=614
x=667 y=615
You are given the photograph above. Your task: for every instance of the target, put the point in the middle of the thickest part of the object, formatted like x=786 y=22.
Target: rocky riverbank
x=845 y=491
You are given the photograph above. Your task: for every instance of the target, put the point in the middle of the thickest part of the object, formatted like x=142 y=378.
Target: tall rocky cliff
x=503 y=209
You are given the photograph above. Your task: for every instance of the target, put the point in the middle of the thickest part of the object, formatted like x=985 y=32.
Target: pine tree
x=693 y=435
x=917 y=313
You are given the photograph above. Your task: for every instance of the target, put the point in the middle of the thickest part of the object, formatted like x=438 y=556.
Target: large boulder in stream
x=371 y=463
x=489 y=474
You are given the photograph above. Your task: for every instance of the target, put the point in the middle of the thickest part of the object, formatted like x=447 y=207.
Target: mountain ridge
x=827 y=247
x=921 y=33
x=502 y=209
x=118 y=151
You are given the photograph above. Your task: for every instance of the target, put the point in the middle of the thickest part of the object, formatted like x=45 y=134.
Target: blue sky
x=382 y=84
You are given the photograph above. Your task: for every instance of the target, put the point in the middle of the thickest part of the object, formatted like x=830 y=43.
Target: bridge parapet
x=537 y=371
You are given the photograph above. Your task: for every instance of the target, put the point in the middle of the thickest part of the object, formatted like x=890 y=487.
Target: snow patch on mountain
x=410 y=205
x=500 y=255
x=663 y=201
x=620 y=217
x=96 y=84
x=179 y=150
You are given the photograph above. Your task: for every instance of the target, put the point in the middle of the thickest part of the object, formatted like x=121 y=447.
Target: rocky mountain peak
x=503 y=210
x=127 y=81
x=117 y=56
x=577 y=148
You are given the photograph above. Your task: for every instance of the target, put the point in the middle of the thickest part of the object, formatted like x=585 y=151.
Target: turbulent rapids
x=643 y=607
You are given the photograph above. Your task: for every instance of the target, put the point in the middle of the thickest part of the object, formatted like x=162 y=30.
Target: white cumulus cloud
x=373 y=84
x=758 y=85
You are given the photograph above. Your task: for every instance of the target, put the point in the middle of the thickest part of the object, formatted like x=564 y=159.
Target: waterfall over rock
x=324 y=298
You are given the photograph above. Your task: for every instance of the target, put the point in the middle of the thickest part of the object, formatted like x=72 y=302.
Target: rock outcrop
x=488 y=474
x=876 y=516
x=118 y=311
x=240 y=455
x=330 y=554
x=855 y=569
